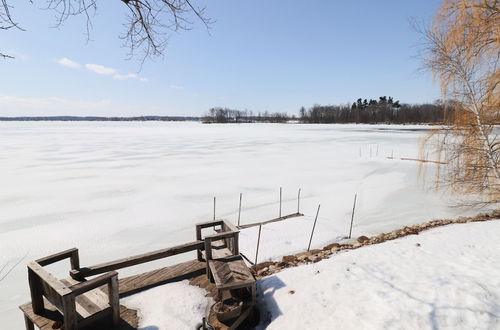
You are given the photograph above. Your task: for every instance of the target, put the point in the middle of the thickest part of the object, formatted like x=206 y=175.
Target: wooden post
x=258 y=243
x=214 y=208
x=36 y=292
x=69 y=312
x=75 y=260
x=236 y=247
x=280 y=201
x=352 y=216
x=314 y=226
x=239 y=210
x=208 y=256
x=114 y=301
x=28 y=323
x=198 y=238
x=298 y=202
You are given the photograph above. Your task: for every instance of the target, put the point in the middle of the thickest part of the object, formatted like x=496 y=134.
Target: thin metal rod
x=298 y=202
x=258 y=244
x=352 y=216
x=281 y=193
x=239 y=210
x=214 y=208
x=314 y=226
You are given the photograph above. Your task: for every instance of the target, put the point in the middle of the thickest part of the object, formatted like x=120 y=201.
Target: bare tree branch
x=148 y=26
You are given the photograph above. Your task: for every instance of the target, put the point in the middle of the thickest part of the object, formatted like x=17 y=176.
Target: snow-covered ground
x=176 y=305
x=444 y=278
x=114 y=189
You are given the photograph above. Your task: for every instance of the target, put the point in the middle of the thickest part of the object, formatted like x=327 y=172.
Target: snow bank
x=444 y=278
x=171 y=306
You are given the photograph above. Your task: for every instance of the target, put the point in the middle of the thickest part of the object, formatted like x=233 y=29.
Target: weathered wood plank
x=136 y=260
x=231 y=273
x=90 y=302
x=44 y=283
x=58 y=256
x=85 y=286
x=45 y=320
x=136 y=283
x=288 y=216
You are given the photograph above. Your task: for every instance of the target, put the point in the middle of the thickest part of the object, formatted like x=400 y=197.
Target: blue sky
x=259 y=55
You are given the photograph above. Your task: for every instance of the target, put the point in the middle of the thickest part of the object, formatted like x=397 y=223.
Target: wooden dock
x=77 y=303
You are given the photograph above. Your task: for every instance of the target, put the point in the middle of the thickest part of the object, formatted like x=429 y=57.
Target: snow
x=171 y=306
x=450 y=281
x=119 y=188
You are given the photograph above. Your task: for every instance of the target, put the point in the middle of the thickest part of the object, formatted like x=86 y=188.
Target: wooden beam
x=136 y=260
x=293 y=215
x=202 y=225
x=85 y=286
x=230 y=226
x=58 y=256
x=227 y=234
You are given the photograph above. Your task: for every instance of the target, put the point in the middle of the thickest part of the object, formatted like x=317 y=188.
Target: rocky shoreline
x=267 y=268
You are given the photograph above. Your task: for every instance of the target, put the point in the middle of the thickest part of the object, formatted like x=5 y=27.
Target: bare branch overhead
x=147 y=27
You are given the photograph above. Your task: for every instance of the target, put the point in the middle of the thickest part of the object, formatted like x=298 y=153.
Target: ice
x=113 y=189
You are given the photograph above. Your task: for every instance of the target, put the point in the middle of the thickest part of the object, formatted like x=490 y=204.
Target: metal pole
x=352 y=216
x=258 y=243
x=298 y=202
x=214 y=208
x=280 y=200
x=314 y=226
x=239 y=211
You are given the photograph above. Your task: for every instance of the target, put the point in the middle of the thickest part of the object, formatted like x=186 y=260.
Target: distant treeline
x=226 y=115
x=383 y=110
x=366 y=111
x=94 y=118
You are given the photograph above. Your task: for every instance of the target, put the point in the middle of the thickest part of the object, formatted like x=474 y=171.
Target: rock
x=362 y=239
x=291 y=292
x=302 y=257
x=356 y=245
x=331 y=246
x=289 y=259
x=262 y=271
x=314 y=258
x=264 y=264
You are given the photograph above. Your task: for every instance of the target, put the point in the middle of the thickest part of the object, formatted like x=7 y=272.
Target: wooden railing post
x=36 y=292
x=69 y=312
x=75 y=260
x=236 y=249
x=198 y=238
x=208 y=255
x=114 y=300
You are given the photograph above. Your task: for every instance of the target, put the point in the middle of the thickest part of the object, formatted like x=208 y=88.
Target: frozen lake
x=119 y=188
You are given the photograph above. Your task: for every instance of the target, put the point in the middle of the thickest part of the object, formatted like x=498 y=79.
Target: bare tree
x=463 y=52
x=147 y=28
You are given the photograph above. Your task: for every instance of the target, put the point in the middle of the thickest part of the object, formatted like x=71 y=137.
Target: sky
x=258 y=55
